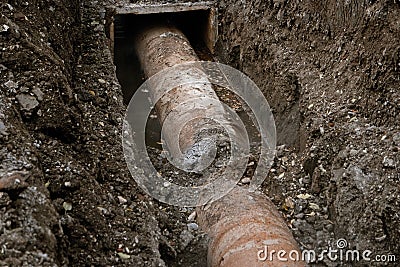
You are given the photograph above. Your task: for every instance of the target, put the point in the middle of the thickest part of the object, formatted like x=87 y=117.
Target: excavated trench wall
x=331 y=74
x=66 y=197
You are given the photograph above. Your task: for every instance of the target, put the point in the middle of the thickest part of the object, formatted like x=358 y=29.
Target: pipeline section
x=244 y=227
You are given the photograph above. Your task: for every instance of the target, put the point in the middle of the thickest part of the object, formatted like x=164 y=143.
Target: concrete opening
x=196 y=20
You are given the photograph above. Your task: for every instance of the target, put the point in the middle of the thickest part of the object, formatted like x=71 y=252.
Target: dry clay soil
x=330 y=71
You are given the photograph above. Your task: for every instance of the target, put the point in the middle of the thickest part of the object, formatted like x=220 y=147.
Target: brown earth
x=329 y=71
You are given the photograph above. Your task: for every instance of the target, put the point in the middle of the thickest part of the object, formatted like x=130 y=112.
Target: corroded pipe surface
x=246 y=230
x=160 y=47
x=241 y=223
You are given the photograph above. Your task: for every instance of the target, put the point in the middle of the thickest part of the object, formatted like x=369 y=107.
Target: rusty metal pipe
x=159 y=47
x=241 y=223
x=246 y=230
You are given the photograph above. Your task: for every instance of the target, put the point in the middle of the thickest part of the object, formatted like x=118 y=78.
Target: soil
x=329 y=71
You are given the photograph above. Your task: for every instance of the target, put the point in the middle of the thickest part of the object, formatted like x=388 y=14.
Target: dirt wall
x=67 y=198
x=331 y=74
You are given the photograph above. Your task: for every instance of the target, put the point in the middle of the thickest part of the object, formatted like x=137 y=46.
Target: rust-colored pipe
x=241 y=224
x=159 y=47
x=246 y=230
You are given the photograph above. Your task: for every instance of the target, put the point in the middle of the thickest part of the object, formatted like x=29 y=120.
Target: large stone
x=27 y=102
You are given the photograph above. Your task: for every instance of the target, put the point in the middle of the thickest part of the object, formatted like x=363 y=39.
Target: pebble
x=304 y=196
x=27 y=102
x=192 y=216
x=123 y=256
x=67 y=206
x=24 y=89
x=3 y=128
x=11 y=85
x=4 y=28
x=38 y=93
x=313 y=206
x=245 y=180
x=122 y=200
x=192 y=226
x=289 y=203
x=10 y=7
x=396 y=138
x=186 y=237
x=388 y=162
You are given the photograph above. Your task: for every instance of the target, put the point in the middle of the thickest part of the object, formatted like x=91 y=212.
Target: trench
x=60 y=49
x=137 y=42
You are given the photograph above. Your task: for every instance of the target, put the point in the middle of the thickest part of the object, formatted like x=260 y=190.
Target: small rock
x=312 y=214
x=10 y=7
x=24 y=89
x=67 y=206
x=13 y=180
x=101 y=81
x=304 y=196
x=186 y=237
x=103 y=210
x=192 y=216
x=3 y=129
x=38 y=93
x=313 y=206
x=123 y=256
x=4 y=28
x=11 y=85
x=388 y=162
x=245 y=180
x=122 y=200
x=20 y=16
x=396 y=138
x=289 y=203
x=27 y=102
x=192 y=226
